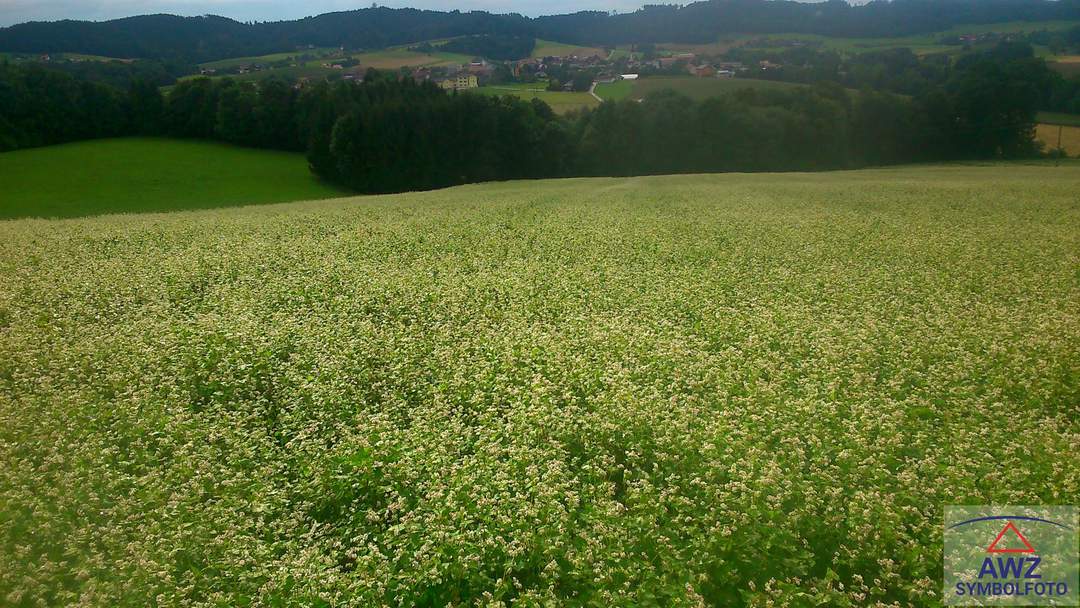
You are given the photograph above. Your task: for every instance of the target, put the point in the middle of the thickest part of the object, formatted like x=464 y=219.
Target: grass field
x=236 y=62
x=387 y=59
x=691 y=86
x=392 y=59
x=1051 y=134
x=138 y=175
x=671 y=391
x=547 y=48
x=615 y=91
x=560 y=101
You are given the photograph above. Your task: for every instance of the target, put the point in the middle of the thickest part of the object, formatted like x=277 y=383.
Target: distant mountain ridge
x=211 y=37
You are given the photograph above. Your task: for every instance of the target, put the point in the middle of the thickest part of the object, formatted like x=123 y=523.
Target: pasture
x=140 y=175
x=560 y=101
x=294 y=56
x=548 y=48
x=312 y=63
x=395 y=58
x=754 y=389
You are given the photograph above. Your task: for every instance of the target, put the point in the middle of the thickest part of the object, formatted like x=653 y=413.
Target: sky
x=18 y=11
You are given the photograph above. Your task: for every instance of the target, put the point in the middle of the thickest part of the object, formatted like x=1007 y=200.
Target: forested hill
x=209 y=38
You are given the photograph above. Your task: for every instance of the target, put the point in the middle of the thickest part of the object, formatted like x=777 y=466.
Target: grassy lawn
x=667 y=391
x=560 y=101
x=139 y=175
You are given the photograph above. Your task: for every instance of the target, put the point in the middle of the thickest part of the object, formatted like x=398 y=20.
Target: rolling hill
x=563 y=393
x=201 y=39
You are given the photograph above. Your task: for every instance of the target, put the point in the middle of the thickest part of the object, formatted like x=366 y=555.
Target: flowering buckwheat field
x=674 y=391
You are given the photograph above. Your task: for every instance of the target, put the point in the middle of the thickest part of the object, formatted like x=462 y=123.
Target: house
x=462 y=81
x=702 y=71
x=480 y=67
x=725 y=74
x=628 y=77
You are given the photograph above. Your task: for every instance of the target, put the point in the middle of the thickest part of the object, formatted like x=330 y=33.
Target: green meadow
x=548 y=48
x=560 y=101
x=702 y=390
x=264 y=59
x=142 y=175
x=615 y=91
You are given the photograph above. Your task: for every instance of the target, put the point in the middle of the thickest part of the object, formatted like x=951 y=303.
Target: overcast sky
x=18 y=11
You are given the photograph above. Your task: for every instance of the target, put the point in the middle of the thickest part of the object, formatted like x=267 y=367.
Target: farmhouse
x=702 y=71
x=462 y=81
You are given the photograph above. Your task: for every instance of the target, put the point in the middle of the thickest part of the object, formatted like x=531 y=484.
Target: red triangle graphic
x=1009 y=526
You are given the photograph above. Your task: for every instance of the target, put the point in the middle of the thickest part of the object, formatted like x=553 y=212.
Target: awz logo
x=1036 y=566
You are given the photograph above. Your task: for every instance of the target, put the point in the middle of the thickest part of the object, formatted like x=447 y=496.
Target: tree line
x=388 y=134
x=903 y=72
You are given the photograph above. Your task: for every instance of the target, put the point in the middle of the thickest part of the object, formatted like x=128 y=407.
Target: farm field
x=548 y=48
x=288 y=73
x=691 y=86
x=742 y=389
x=615 y=91
x=388 y=59
x=265 y=59
x=392 y=59
x=560 y=101
x=1048 y=134
x=139 y=175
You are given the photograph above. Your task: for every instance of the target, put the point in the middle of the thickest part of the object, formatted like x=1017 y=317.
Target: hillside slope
x=717 y=390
